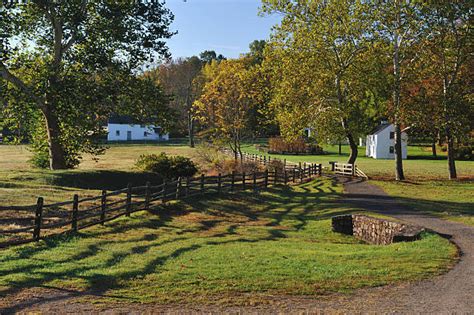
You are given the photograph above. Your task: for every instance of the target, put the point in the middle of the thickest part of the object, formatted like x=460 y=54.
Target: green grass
x=21 y=184
x=214 y=250
x=419 y=165
x=450 y=200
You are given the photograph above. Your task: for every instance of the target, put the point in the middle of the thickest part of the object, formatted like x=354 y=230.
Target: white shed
x=121 y=129
x=380 y=143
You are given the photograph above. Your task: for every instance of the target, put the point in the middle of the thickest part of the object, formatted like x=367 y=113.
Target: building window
x=117 y=133
x=392 y=149
x=392 y=135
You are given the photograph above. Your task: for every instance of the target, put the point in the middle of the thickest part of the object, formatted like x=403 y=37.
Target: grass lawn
x=210 y=251
x=419 y=165
x=448 y=199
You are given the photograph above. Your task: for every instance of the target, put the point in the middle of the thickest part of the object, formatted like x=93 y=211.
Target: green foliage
x=78 y=68
x=167 y=167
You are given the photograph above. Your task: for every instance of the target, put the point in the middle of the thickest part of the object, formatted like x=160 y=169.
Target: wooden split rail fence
x=23 y=224
x=348 y=170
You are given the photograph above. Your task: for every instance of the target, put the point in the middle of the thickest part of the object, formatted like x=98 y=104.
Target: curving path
x=451 y=293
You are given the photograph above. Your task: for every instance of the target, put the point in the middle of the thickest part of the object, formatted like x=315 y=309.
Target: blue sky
x=226 y=26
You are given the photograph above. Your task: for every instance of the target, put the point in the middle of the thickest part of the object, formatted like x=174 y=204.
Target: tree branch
x=10 y=77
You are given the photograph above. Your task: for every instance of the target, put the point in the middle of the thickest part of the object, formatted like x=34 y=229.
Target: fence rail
x=42 y=220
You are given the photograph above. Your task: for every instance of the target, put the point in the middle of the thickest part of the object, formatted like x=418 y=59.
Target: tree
x=226 y=102
x=318 y=49
x=73 y=61
x=449 y=50
x=400 y=24
x=208 y=56
x=178 y=79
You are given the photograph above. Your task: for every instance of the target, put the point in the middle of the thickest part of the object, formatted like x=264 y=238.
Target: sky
x=225 y=26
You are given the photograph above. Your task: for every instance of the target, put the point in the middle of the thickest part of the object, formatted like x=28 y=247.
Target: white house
x=121 y=129
x=380 y=142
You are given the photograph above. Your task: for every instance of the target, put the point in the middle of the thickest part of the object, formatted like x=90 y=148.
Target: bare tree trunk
x=191 y=129
x=396 y=101
x=340 y=148
x=352 y=143
x=451 y=159
x=433 y=147
x=398 y=153
x=57 y=157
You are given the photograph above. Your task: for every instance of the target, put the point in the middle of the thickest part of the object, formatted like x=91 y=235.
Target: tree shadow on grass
x=104 y=179
x=294 y=206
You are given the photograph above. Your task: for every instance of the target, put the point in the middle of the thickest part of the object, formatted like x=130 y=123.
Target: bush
x=464 y=153
x=276 y=165
x=279 y=145
x=167 y=167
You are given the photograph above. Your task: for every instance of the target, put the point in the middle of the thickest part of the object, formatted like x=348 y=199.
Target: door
x=129 y=135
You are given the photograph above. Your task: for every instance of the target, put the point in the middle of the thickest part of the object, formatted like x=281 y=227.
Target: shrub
x=276 y=165
x=298 y=146
x=464 y=153
x=167 y=167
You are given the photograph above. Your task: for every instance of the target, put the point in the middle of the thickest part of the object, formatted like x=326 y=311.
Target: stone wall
x=374 y=230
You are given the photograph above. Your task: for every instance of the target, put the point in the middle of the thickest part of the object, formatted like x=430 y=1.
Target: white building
x=380 y=143
x=120 y=129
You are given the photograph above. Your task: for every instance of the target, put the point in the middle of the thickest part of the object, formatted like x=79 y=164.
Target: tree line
x=335 y=66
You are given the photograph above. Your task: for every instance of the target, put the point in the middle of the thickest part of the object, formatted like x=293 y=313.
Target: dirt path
x=445 y=294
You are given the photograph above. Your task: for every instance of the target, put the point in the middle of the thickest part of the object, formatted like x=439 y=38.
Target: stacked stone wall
x=374 y=230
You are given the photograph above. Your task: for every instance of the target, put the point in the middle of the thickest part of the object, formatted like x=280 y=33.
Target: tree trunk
x=396 y=99
x=191 y=129
x=433 y=147
x=451 y=160
x=398 y=153
x=57 y=157
x=352 y=143
x=340 y=148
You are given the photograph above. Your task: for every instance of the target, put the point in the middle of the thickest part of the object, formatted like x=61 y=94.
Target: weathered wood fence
x=33 y=222
x=348 y=170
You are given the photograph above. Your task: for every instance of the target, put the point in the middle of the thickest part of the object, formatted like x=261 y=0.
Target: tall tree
x=208 y=56
x=178 y=79
x=69 y=58
x=325 y=41
x=400 y=24
x=226 y=102
x=450 y=50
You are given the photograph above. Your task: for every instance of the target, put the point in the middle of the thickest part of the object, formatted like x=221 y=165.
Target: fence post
x=320 y=169
x=275 y=180
x=266 y=178
x=75 y=209
x=232 y=181
x=219 y=183
x=147 y=196
x=38 y=219
x=265 y=160
x=103 y=205
x=294 y=174
x=254 y=181
x=243 y=180
x=353 y=169
x=301 y=174
x=129 y=200
x=188 y=182
x=202 y=184
x=178 y=188
x=163 y=198
x=285 y=174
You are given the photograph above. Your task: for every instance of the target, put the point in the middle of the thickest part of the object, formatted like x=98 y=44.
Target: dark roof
x=122 y=119
x=379 y=128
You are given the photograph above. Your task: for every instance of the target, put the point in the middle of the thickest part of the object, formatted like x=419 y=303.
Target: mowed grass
x=419 y=165
x=21 y=184
x=451 y=200
x=235 y=248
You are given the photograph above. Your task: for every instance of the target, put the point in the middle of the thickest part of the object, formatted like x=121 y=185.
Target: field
x=218 y=250
x=419 y=166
